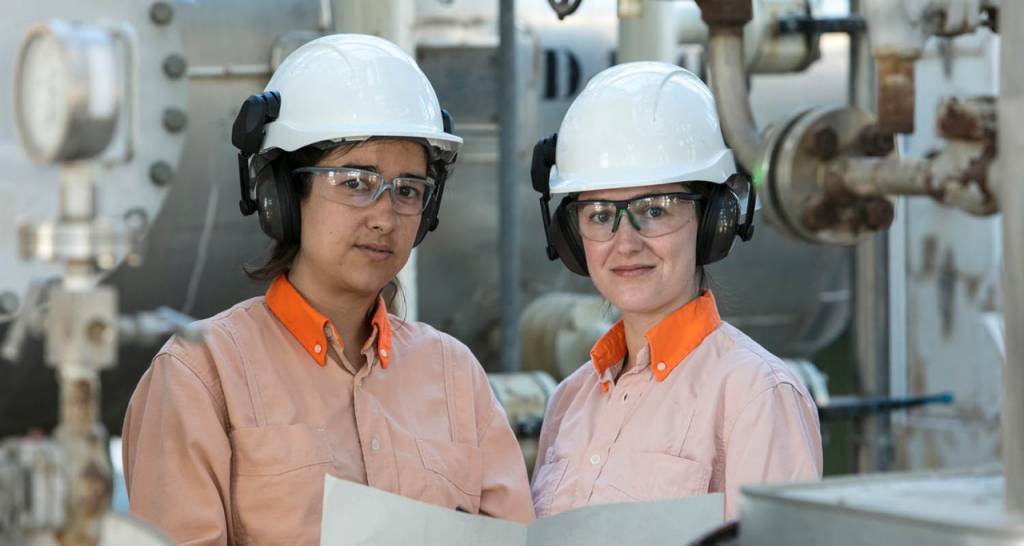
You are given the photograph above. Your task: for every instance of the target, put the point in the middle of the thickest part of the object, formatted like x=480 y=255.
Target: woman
x=674 y=402
x=228 y=442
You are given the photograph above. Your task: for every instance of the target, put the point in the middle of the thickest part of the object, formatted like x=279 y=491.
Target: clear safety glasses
x=650 y=215
x=359 y=188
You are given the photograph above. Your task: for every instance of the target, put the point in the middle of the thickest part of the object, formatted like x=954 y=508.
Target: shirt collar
x=670 y=341
x=309 y=326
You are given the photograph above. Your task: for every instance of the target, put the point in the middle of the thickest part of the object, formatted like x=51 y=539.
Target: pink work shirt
x=228 y=442
x=705 y=409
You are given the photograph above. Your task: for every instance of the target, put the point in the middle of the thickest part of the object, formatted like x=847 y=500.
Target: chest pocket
x=651 y=476
x=277 y=475
x=447 y=474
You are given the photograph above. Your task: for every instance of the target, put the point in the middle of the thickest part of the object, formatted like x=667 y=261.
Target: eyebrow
x=373 y=168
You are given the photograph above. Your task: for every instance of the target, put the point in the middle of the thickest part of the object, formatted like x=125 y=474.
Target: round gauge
x=67 y=91
x=43 y=87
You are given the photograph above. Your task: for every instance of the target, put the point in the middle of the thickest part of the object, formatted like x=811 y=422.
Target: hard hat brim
x=284 y=137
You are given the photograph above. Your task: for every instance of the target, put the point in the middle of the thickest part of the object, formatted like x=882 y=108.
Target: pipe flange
x=800 y=198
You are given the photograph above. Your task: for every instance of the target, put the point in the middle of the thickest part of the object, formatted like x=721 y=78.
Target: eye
x=409 y=192
x=599 y=217
x=653 y=212
x=354 y=183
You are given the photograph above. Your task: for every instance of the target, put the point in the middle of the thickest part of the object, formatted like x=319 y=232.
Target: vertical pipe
x=871 y=290
x=651 y=34
x=508 y=225
x=1011 y=164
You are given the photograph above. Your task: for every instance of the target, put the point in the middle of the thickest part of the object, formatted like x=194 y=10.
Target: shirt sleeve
x=775 y=438
x=505 y=492
x=177 y=456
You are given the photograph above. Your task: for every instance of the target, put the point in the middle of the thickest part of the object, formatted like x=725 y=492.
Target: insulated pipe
x=656 y=30
x=508 y=218
x=729 y=85
x=1011 y=164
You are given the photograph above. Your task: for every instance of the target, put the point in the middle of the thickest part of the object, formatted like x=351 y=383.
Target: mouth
x=375 y=252
x=628 y=271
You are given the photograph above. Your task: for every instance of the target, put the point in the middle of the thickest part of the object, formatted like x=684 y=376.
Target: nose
x=380 y=215
x=627 y=239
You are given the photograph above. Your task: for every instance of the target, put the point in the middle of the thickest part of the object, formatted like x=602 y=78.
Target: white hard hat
x=350 y=87
x=640 y=124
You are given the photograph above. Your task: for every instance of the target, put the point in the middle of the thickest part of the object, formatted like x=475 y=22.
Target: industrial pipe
x=1011 y=164
x=508 y=217
x=729 y=85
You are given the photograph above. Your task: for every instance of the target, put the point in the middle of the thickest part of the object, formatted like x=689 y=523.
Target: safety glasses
x=651 y=215
x=360 y=188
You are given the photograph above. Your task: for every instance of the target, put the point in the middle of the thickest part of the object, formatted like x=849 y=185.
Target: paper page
x=355 y=514
x=671 y=522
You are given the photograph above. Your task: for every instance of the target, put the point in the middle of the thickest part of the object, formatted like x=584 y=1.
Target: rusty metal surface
x=971 y=119
x=895 y=93
x=719 y=14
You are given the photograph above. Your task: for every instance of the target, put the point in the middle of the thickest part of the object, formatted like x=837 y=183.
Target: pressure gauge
x=68 y=87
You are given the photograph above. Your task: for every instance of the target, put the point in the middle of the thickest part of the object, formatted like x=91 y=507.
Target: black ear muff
x=278 y=203
x=247 y=134
x=566 y=241
x=438 y=169
x=718 y=225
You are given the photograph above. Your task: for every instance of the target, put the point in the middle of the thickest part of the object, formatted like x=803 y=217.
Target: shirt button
x=375 y=445
x=317 y=348
x=595 y=459
x=661 y=366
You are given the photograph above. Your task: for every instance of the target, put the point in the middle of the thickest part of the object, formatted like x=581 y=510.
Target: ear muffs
x=562 y=241
x=277 y=203
x=720 y=222
x=566 y=241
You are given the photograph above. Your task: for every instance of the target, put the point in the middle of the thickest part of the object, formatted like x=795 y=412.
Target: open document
x=355 y=514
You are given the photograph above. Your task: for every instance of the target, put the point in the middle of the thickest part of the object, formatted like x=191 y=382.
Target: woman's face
x=359 y=250
x=641 y=275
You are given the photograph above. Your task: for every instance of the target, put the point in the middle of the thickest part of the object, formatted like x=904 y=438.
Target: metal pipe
x=508 y=217
x=729 y=85
x=871 y=318
x=1011 y=164
x=652 y=33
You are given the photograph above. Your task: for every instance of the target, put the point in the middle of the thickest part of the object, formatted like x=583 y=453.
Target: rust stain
x=974 y=119
x=895 y=93
x=918 y=375
x=973 y=285
x=929 y=259
x=947 y=293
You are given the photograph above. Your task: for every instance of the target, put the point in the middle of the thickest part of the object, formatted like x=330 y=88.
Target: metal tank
x=791 y=297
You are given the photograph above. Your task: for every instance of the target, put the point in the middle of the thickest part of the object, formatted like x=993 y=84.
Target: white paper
x=356 y=515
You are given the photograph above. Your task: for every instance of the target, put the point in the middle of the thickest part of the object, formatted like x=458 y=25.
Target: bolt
x=161 y=173
x=878 y=214
x=821 y=141
x=161 y=13
x=819 y=216
x=9 y=302
x=175 y=119
x=875 y=142
x=97 y=331
x=174 y=66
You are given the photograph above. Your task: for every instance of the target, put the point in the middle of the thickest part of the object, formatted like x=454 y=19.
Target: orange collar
x=309 y=326
x=670 y=341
